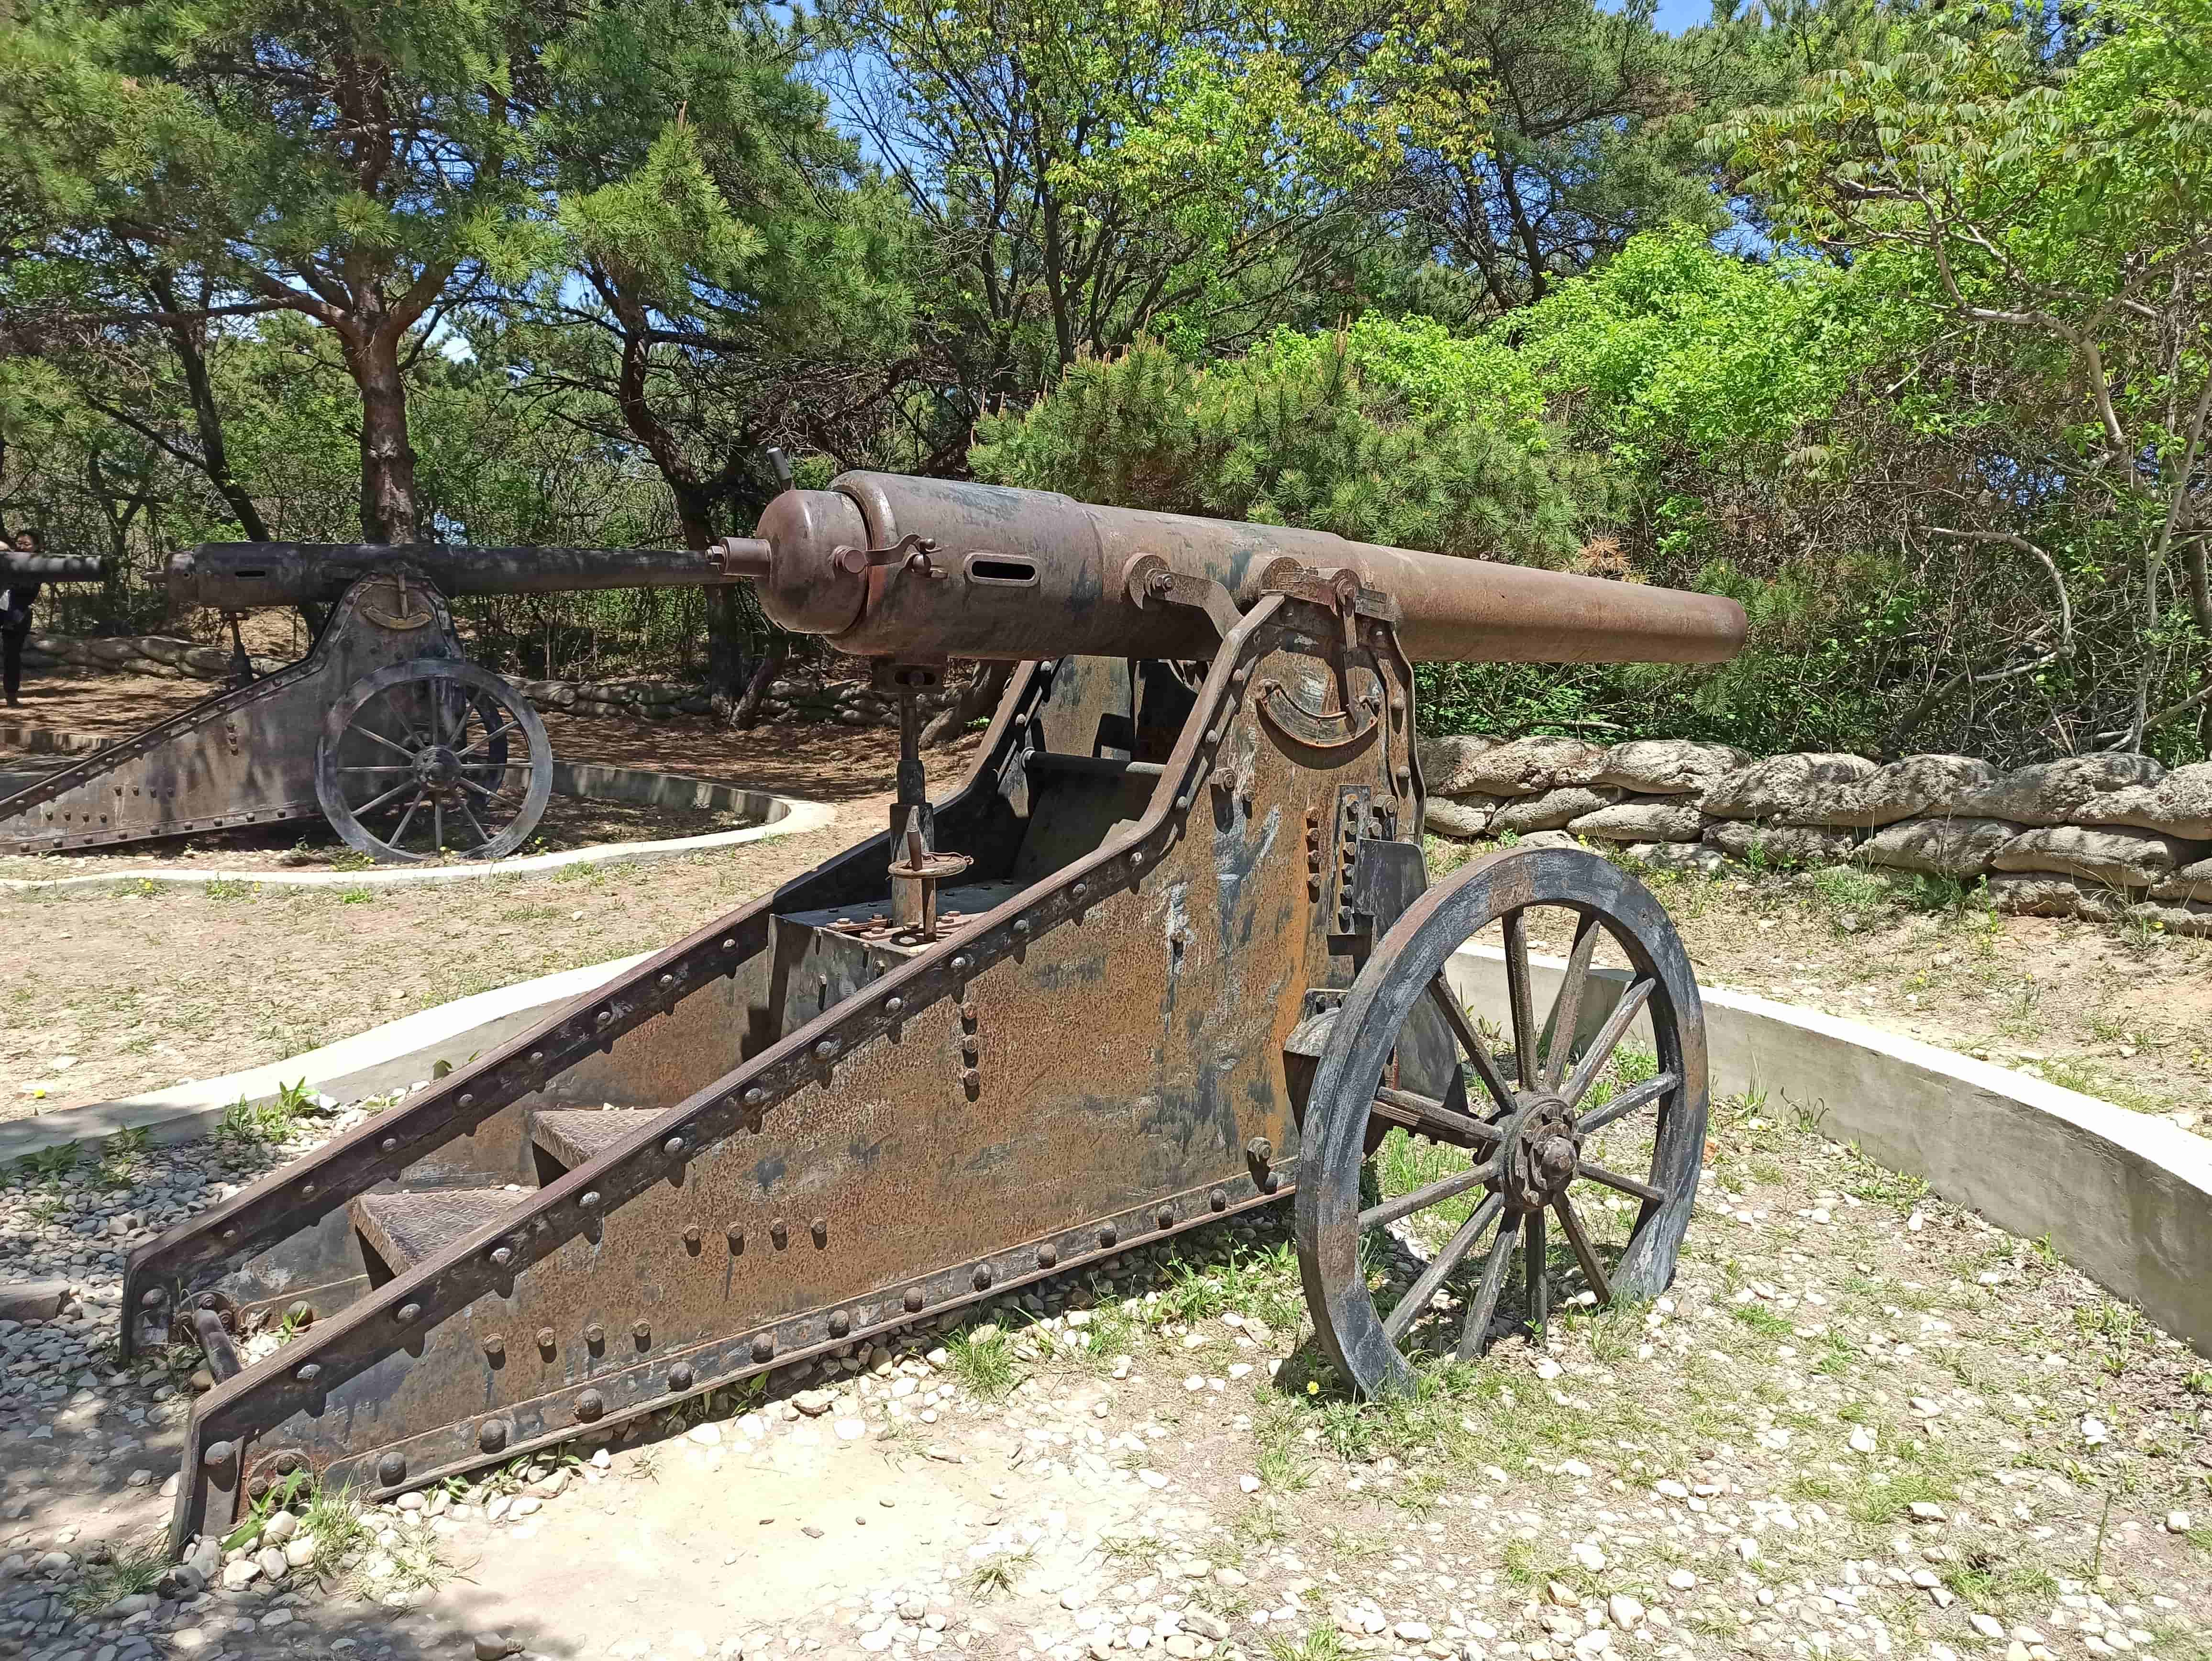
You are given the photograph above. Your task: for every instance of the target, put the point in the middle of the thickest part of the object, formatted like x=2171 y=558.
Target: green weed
x=135 y=1570
x=983 y=1360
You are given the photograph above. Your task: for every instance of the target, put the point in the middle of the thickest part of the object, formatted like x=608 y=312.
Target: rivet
x=892 y=1006
x=1260 y=1148
x=1048 y=1254
x=230 y=1234
x=545 y=1339
x=668 y=980
x=389 y=1143
x=1217 y=1199
x=392 y=1469
x=308 y=1373
x=257 y=1488
x=590 y=1404
x=468 y=1098
x=152 y=1296
x=691 y=1235
x=536 y=1057
x=502 y=1255
x=288 y=1462
x=409 y=1311
x=970 y=1077
x=820 y=1229
x=679 y=1376
x=1137 y=860
x=983 y=1278
x=825 y=1050
x=736 y=1237
x=307 y=1190
x=672 y=1147
x=840 y=1324
x=1021 y=925
x=754 y=1096
x=495 y=1348
x=604 y=1017
x=1182 y=801
x=642 y=1331
x=959 y=960
x=912 y=1300
x=595 y=1335
x=778 y=1235
x=729 y=945
x=491 y=1435
x=1078 y=889
x=590 y=1199
x=1108 y=1235
x=763 y=1347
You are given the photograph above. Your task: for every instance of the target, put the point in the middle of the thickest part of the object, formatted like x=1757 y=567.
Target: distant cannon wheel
x=1551 y=1119
x=433 y=755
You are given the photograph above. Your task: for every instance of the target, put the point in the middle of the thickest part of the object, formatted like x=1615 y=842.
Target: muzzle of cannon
x=383 y=729
x=1165 y=953
x=16 y=565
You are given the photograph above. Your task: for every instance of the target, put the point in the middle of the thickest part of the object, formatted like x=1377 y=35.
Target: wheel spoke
x=1566 y=1009
x=1470 y=1041
x=462 y=778
x=399 y=830
x=375 y=802
x=383 y=767
x=1609 y=1039
x=1422 y=1198
x=1427 y=1115
x=376 y=737
x=1570 y=1224
x=1532 y=1266
x=1477 y=1324
x=438 y=824
x=490 y=738
x=1598 y=1173
x=1521 y=996
x=1624 y=1103
x=1446 y=1260
x=482 y=835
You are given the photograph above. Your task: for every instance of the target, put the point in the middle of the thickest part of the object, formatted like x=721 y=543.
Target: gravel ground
x=1861 y=1423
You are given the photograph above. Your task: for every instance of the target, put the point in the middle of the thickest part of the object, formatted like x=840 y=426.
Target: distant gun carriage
x=384 y=728
x=1167 y=953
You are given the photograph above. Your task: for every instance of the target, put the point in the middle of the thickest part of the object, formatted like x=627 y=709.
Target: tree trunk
x=388 y=509
x=188 y=341
x=746 y=716
x=979 y=697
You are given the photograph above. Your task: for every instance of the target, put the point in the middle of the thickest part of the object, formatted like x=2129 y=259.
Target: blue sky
x=1676 y=15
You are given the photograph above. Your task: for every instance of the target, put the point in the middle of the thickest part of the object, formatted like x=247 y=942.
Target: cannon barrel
x=50 y=567
x=240 y=576
x=1031 y=574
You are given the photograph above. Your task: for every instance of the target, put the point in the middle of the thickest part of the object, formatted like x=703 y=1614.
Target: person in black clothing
x=15 y=598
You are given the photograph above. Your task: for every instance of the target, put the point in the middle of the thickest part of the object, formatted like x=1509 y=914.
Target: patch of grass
x=1419 y=1492
x=131 y=1571
x=223 y=888
x=334 y=1517
x=49 y=1164
x=278 y=1121
x=1761 y=1320
x=1877 y=1503
x=1319 y=1643
x=1000 y=1576
x=355 y=897
x=983 y=1360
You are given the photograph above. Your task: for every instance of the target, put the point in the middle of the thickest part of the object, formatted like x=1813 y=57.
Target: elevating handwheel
x=1556 y=1118
x=433 y=757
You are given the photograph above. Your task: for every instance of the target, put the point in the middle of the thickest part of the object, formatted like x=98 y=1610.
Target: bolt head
x=216 y=1455
x=1048 y=1254
x=502 y=1255
x=152 y=1296
x=595 y=1334
x=983 y=1278
x=840 y=1324
x=590 y=1404
x=590 y=1200
x=308 y=1373
x=672 y=1147
x=409 y=1313
x=763 y=1347
x=679 y=1376
x=642 y=1331
x=892 y=1006
x=545 y=1339
x=825 y=1050
x=491 y=1435
x=912 y=1300
x=392 y=1469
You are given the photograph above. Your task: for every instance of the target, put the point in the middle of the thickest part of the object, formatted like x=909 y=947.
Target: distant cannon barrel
x=50 y=567
x=1031 y=574
x=241 y=576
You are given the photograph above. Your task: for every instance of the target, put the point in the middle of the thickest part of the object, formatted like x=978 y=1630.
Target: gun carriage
x=1166 y=953
x=385 y=727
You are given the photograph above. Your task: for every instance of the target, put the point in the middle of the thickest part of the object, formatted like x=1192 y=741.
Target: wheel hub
x=436 y=764
x=1540 y=1153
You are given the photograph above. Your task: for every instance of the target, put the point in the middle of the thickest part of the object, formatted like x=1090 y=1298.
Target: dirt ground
x=1860 y=1423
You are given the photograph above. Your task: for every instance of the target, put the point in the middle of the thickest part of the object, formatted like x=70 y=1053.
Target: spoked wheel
x=1558 y=1127
x=435 y=756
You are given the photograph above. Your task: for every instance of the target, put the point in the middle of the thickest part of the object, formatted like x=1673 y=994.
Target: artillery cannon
x=385 y=727
x=1165 y=954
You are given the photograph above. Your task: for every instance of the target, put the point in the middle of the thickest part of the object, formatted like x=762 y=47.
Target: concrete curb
x=2125 y=1197
x=779 y=816
x=383 y=1058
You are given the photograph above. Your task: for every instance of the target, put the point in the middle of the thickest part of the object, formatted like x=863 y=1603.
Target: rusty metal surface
x=1075 y=601
x=243 y=757
x=242 y=576
x=826 y=1126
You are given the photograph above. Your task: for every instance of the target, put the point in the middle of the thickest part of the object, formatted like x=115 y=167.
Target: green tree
x=365 y=166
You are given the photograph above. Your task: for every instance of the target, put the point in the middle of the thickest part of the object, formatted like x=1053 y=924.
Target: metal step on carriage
x=1166 y=953
x=383 y=729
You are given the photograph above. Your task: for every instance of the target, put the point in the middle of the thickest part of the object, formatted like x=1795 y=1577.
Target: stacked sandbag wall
x=848 y=704
x=2104 y=836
